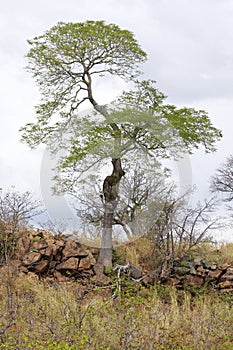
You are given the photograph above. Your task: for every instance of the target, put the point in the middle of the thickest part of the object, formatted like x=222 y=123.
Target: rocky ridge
x=42 y=255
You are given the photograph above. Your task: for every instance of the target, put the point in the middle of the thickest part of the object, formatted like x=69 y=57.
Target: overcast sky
x=190 y=54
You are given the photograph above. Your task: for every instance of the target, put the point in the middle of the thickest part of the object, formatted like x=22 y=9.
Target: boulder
x=225 y=285
x=87 y=262
x=201 y=271
x=31 y=258
x=41 y=244
x=73 y=249
x=41 y=266
x=70 y=264
x=199 y=262
x=213 y=275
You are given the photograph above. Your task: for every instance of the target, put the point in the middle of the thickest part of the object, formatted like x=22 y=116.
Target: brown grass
x=38 y=315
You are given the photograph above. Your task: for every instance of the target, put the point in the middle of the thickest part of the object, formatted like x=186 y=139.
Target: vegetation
x=17 y=209
x=39 y=315
x=133 y=135
x=222 y=181
x=65 y=62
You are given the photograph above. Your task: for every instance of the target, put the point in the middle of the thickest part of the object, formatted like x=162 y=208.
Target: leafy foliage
x=65 y=62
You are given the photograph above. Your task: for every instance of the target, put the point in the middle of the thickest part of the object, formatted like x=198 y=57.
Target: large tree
x=65 y=62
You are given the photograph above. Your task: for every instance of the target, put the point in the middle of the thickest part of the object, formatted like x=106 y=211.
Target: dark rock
x=194 y=280
x=134 y=272
x=41 y=266
x=181 y=271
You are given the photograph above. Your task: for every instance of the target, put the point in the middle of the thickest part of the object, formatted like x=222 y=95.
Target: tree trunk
x=110 y=192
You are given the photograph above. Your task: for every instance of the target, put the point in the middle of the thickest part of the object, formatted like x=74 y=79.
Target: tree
x=64 y=62
x=223 y=180
x=181 y=226
x=17 y=209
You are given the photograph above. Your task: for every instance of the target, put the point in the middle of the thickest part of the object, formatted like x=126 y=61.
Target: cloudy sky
x=190 y=54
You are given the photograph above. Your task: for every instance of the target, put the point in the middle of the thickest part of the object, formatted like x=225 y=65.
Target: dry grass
x=35 y=315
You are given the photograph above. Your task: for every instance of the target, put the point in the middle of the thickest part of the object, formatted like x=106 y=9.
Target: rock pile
x=197 y=272
x=62 y=258
x=59 y=257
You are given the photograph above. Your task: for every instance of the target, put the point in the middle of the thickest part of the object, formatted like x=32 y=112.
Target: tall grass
x=37 y=315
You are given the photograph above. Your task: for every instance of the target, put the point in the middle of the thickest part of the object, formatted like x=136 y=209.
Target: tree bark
x=110 y=185
x=110 y=192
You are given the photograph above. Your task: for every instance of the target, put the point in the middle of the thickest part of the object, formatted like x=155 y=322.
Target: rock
x=230 y=271
x=41 y=244
x=181 y=271
x=225 y=285
x=52 y=245
x=100 y=278
x=23 y=269
x=73 y=249
x=213 y=275
x=87 y=263
x=224 y=266
x=70 y=264
x=23 y=245
x=31 y=258
x=227 y=276
x=152 y=277
x=192 y=280
x=199 y=262
x=41 y=266
x=213 y=266
x=201 y=271
x=192 y=269
x=60 y=277
x=134 y=272
x=172 y=281
x=48 y=252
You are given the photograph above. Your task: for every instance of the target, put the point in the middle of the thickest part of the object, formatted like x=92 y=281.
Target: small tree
x=222 y=182
x=182 y=227
x=64 y=61
x=17 y=209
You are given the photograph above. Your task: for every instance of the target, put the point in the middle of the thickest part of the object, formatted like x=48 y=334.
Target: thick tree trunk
x=110 y=185
x=110 y=192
